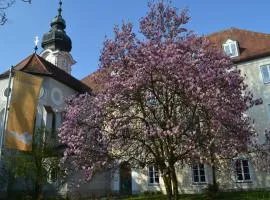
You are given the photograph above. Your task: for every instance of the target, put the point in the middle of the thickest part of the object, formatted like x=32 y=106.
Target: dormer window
x=231 y=48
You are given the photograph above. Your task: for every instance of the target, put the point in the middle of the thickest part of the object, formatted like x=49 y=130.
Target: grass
x=243 y=195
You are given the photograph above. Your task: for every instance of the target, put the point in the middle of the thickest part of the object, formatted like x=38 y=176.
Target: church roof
x=252 y=45
x=34 y=64
x=91 y=80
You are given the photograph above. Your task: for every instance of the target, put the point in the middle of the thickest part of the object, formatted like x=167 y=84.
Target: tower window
x=265 y=71
x=231 y=48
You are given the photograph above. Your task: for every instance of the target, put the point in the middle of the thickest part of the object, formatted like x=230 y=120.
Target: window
x=198 y=173
x=53 y=122
x=59 y=119
x=231 y=48
x=267 y=135
x=265 y=70
x=151 y=99
x=54 y=174
x=242 y=170
x=153 y=175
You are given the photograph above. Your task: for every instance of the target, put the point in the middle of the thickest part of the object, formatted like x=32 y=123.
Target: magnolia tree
x=168 y=99
x=88 y=146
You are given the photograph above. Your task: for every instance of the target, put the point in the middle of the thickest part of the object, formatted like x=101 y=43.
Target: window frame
x=268 y=70
x=229 y=44
x=244 y=180
x=198 y=168
x=154 y=177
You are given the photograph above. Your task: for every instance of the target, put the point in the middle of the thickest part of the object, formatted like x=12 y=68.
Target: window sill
x=233 y=56
x=266 y=83
x=199 y=183
x=247 y=181
x=153 y=184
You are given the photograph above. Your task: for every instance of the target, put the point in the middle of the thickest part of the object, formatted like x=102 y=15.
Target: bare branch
x=5 y=4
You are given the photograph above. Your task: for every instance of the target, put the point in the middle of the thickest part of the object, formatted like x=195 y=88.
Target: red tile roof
x=91 y=80
x=34 y=64
x=252 y=45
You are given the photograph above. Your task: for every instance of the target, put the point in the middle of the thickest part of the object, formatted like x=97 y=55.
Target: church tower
x=57 y=45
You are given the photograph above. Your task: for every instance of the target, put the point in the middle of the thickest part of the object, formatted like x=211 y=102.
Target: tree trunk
x=174 y=183
x=168 y=186
x=38 y=179
x=10 y=184
x=215 y=185
x=214 y=175
x=37 y=190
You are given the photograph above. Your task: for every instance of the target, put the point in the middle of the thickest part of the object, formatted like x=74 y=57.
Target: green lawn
x=250 y=195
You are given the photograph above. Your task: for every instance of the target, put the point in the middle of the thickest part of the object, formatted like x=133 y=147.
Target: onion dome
x=56 y=38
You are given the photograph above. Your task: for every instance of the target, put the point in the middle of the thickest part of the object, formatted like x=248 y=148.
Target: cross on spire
x=36 y=44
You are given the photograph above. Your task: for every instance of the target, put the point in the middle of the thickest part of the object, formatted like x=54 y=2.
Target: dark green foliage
x=34 y=168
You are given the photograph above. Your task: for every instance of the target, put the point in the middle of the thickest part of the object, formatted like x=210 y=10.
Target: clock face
x=7 y=92
x=57 y=96
x=65 y=63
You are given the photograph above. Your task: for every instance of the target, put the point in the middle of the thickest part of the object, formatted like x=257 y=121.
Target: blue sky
x=88 y=21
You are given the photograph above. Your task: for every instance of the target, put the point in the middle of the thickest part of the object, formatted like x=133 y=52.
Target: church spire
x=56 y=43
x=60 y=8
x=56 y=38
